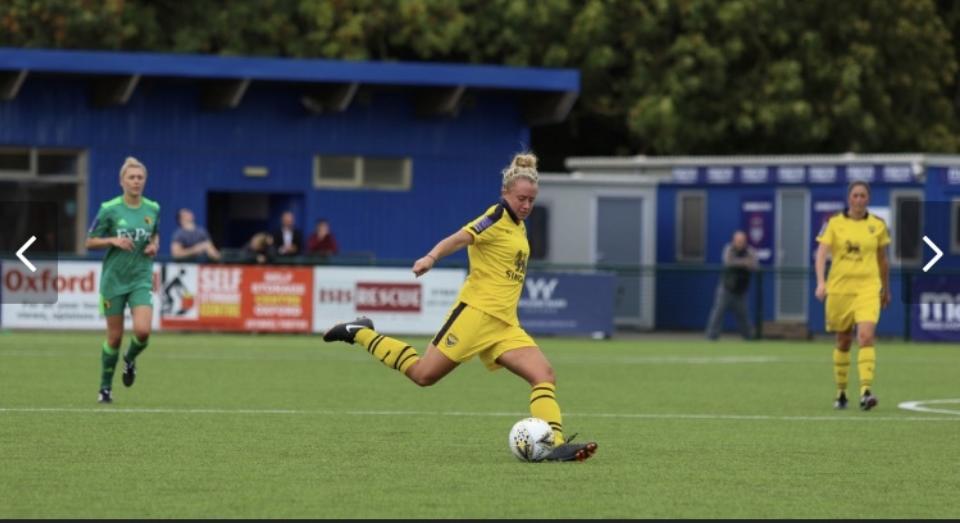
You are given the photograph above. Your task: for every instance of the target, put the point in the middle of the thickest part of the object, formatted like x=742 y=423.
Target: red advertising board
x=237 y=298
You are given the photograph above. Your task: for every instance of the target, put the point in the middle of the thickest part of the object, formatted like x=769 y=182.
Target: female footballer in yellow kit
x=483 y=321
x=858 y=286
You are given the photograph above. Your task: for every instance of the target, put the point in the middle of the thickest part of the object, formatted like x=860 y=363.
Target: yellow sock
x=543 y=405
x=841 y=366
x=393 y=353
x=866 y=362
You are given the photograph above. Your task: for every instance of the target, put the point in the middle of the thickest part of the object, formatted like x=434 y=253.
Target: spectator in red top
x=322 y=242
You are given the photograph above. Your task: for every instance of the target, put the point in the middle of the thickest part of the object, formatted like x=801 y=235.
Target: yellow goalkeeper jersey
x=853 y=246
x=498 y=263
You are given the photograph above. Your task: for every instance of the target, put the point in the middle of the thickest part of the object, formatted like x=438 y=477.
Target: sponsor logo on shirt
x=482 y=225
x=519 y=266
x=852 y=252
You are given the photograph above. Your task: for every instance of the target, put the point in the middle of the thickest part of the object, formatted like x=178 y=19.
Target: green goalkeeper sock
x=135 y=348
x=108 y=360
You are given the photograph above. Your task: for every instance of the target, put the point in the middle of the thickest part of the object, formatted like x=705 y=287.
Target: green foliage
x=658 y=76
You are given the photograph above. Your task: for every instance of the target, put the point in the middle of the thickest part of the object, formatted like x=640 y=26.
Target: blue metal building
x=780 y=202
x=395 y=155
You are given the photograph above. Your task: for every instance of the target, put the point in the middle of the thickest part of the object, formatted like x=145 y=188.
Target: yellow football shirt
x=498 y=263
x=853 y=246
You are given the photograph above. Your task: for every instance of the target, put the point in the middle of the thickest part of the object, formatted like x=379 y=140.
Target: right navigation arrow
x=935 y=258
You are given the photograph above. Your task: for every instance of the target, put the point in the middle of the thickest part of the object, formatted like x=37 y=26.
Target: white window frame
x=358 y=181
x=79 y=179
x=895 y=196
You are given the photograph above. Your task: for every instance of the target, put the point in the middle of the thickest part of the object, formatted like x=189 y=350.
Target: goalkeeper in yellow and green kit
x=127 y=227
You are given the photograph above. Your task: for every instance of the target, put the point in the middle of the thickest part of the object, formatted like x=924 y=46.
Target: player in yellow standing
x=858 y=286
x=483 y=321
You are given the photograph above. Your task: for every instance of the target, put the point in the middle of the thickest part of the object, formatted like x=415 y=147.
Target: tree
x=658 y=76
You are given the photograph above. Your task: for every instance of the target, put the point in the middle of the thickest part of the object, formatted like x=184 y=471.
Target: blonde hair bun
x=523 y=165
x=527 y=161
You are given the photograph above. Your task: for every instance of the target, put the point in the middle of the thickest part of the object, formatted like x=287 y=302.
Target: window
x=907 y=227
x=335 y=170
x=29 y=164
x=15 y=161
x=55 y=176
x=390 y=173
x=691 y=225
x=56 y=163
x=49 y=213
x=538 y=231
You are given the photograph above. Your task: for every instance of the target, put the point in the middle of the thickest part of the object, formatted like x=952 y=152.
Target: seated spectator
x=259 y=249
x=322 y=242
x=190 y=242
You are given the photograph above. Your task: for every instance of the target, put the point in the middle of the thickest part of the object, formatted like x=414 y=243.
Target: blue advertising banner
x=935 y=313
x=686 y=175
x=720 y=175
x=823 y=174
x=952 y=175
x=791 y=174
x=756 y=219
x=795 y=174
x=754 y=175
x=567 y=303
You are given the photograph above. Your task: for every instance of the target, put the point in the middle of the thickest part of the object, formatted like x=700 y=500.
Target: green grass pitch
x=283 y=426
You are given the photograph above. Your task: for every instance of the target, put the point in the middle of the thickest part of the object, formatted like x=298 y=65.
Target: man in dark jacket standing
x=288 y=240
x=739 y=261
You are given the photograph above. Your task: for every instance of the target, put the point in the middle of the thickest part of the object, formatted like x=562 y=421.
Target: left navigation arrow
x=24 y=258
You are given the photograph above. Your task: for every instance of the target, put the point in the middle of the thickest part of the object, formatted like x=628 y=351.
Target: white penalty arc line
x=665 y=416
x=918 y=406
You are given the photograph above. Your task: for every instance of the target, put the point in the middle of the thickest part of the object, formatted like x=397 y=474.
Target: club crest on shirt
x=871 y=229
x=147 y=219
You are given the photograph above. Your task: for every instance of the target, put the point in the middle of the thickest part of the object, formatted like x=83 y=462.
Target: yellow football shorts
x=468 y=332
x=843 y=311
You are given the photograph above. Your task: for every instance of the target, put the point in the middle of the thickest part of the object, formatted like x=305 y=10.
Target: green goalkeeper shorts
x=136 y=298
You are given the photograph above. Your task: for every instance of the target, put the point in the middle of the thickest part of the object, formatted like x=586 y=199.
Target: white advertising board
x=394 y=299
x=77 y=284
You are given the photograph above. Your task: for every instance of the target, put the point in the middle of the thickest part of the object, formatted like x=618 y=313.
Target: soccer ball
x=531 y=439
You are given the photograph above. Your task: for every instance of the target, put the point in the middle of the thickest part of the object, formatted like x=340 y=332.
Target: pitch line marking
x=626 y=360
x=918 y=406
x=666 y=416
